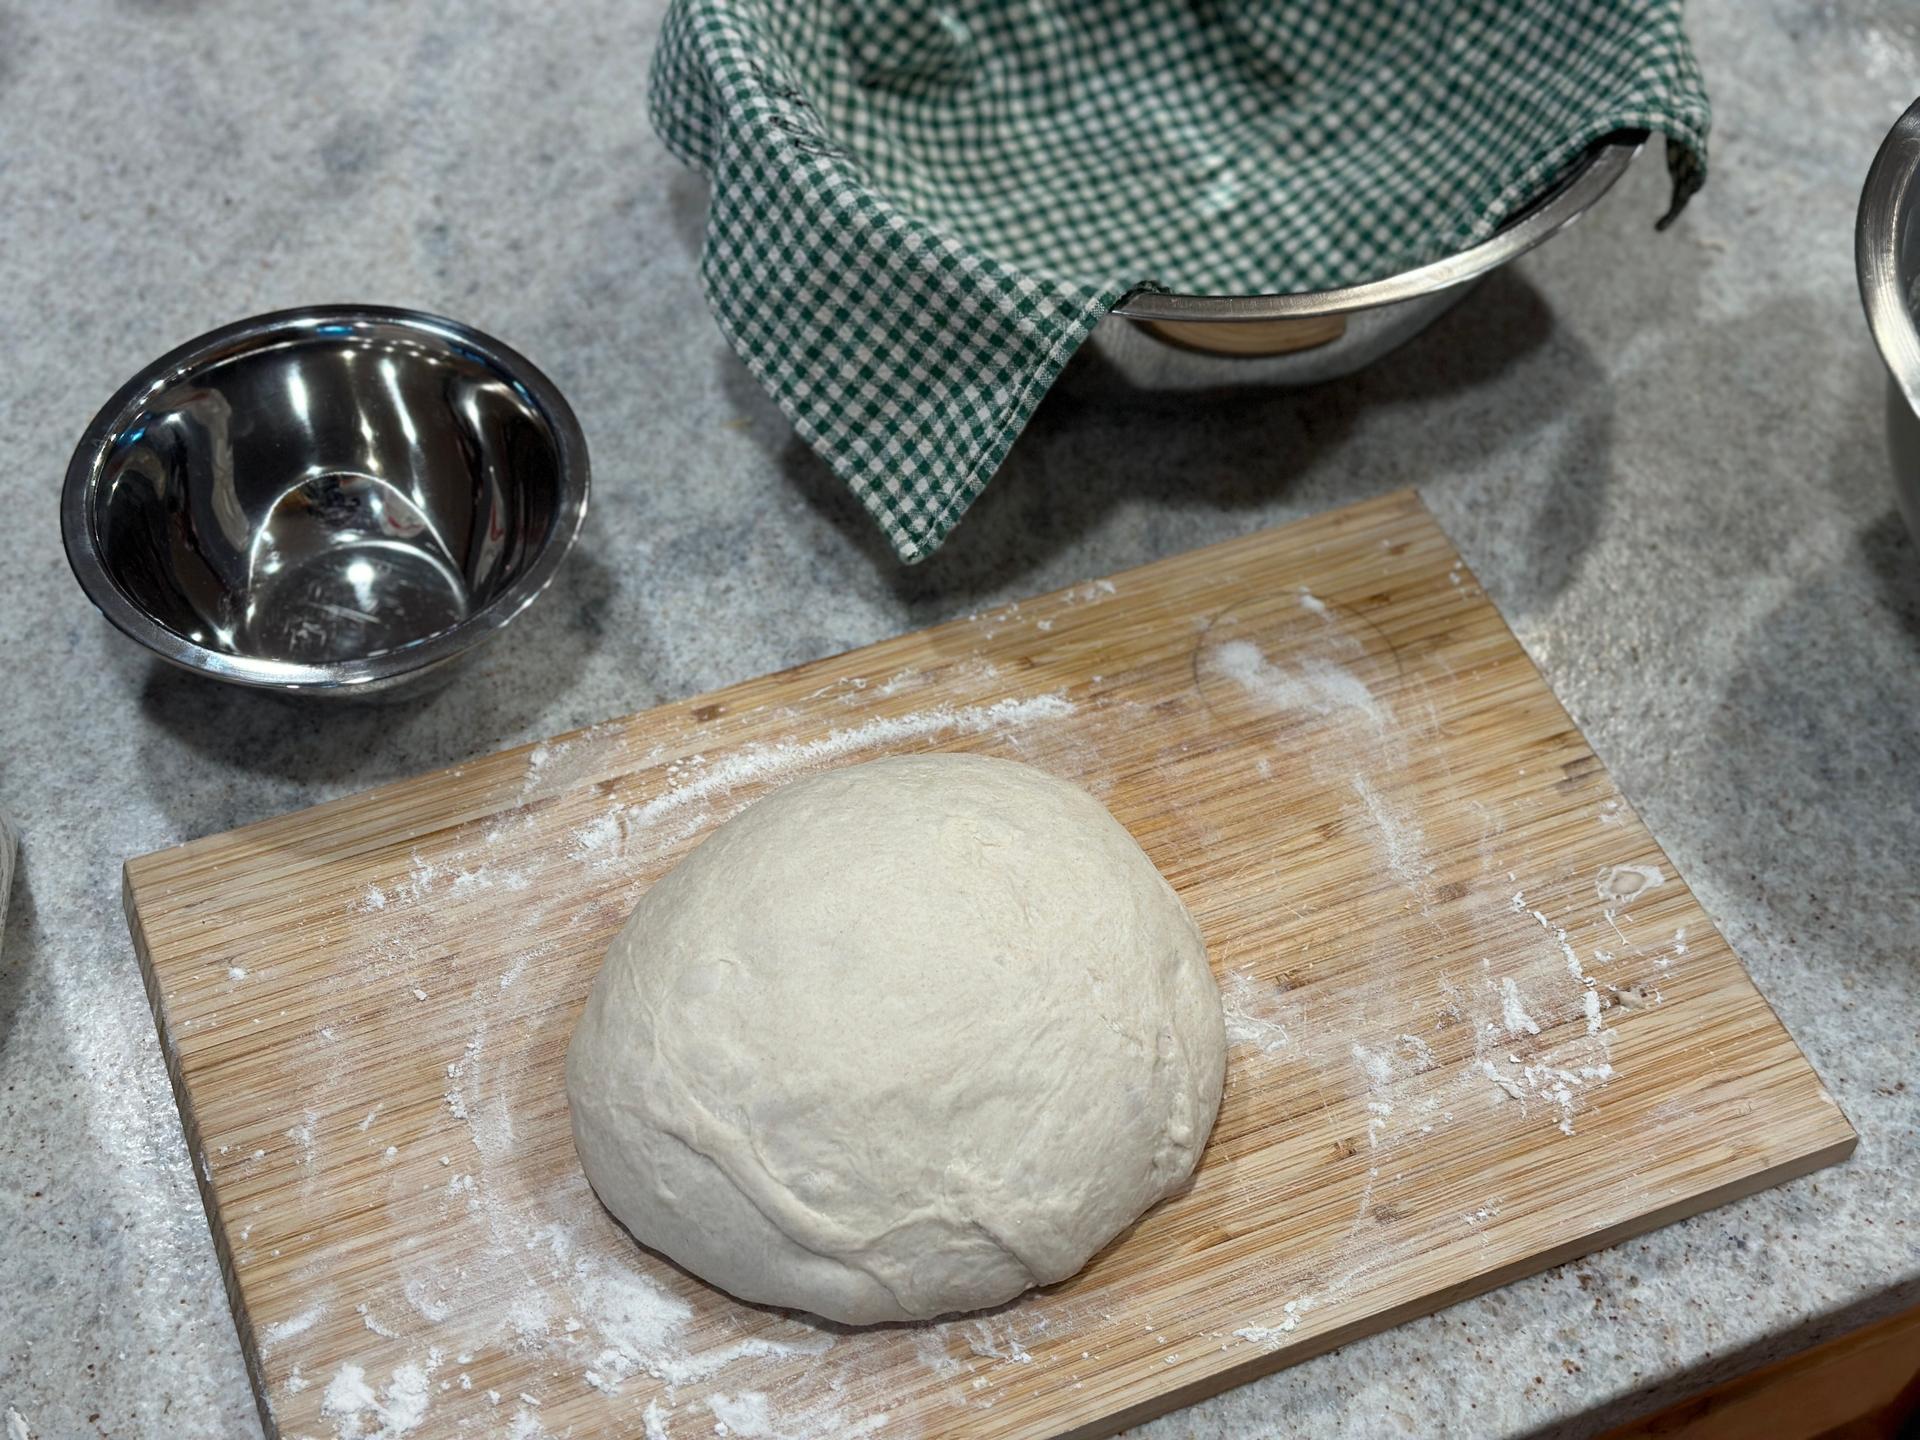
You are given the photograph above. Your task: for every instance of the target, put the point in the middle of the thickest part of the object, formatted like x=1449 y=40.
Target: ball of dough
x=899 y=1040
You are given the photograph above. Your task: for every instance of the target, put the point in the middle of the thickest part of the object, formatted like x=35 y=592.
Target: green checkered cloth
x=919 y=211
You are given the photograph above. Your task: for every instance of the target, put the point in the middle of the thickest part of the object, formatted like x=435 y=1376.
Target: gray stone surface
x=1661 y=454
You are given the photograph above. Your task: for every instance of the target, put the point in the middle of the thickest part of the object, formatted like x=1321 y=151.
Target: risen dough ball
x=899 y=1040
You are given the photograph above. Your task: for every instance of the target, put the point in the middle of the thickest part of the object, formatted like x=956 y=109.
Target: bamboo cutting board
x=1478 y=1024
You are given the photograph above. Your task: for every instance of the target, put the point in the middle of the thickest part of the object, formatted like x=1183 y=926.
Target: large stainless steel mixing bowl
x=1309 y=336
x=1886 y=254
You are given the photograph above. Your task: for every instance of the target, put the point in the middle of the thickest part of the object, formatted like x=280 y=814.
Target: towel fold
x=919 y=211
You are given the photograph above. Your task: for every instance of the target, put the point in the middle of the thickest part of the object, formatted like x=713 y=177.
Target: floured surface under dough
x=902 y=1039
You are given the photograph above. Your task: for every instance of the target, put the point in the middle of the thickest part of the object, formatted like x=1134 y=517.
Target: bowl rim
x=81 y=540
x=1604 y=162
x=1892 y=187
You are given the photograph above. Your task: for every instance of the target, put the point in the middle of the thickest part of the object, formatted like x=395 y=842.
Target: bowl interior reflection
x=334 y=493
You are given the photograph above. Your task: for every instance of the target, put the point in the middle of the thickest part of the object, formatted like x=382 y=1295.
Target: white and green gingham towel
x=920 y=210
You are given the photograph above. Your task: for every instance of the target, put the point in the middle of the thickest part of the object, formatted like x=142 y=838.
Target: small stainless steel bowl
x=1886 y=254
x=333 y=501
x=1309 y=336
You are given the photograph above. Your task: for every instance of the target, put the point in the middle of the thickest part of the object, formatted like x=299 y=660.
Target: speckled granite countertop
x=1661 y=454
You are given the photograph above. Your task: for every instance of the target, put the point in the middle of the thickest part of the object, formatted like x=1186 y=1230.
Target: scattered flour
x=1558 y=1085
x=1513 y=1008
x=1090 y=591
x=641 y=1328
x=302 y=1133
x=982 y=1341
x=742 y=1414
x=556 y=765
x=1401 y=842
x=1619 y=883
x=372 y=1322
x=467 y=882
x=1500 y=1078
x=1558 y=1076
x=1379 y=1066
x=757 y=762
x=1272 y=1337
x=360 y=1414
x=751 y=1414
x=419 y=881
x=293 y=1325
x=527 y=1318
x=693 y=782
x=930 y=1349
x=432 y=1308
x=1318 y=687
x=347 y=1395
x=598 y=838
x=1421 y=1052
x=1559 y=938
x=1240 y=1000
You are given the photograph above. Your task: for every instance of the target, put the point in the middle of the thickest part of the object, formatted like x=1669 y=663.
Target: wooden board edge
x=1826 y=1090
x=250 y=1351
x=1258 y=1367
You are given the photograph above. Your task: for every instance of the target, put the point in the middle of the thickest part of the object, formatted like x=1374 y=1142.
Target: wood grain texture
x=1864 y=1385
x=1479 y=1024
